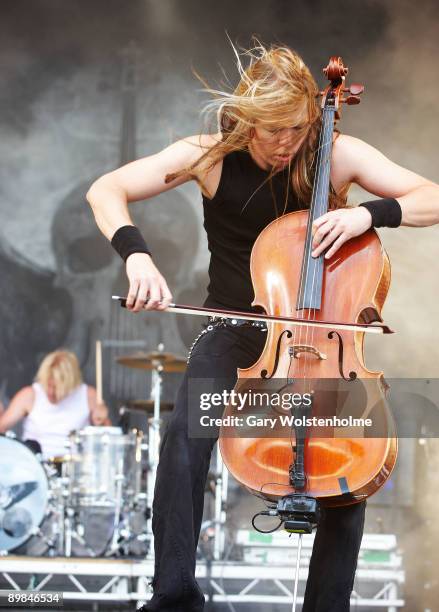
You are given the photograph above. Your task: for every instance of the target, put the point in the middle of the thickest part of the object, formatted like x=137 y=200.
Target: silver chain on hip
x=204 y=331
x=223 y=322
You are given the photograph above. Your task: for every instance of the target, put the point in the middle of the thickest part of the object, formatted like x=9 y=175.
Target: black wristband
x=385 y=212
x=128 y=240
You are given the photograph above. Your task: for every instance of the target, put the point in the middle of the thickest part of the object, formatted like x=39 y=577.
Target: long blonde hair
x=62 y=367
x=275 y=88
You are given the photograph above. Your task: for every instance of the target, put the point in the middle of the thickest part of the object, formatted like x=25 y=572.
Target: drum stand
x=70 y=534
x=158 y=362
x=222 y=474
x=115 y=540
x=221 y=486
x=154 y=444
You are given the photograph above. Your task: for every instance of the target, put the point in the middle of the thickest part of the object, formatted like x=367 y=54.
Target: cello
x=301 y=470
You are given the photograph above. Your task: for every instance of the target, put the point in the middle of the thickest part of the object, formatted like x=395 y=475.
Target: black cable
x=261 y=530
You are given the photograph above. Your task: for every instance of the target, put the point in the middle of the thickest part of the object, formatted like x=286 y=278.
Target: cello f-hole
x=352 y=375
x=264 y=373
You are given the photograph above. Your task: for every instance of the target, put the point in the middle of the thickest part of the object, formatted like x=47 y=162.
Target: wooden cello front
x=345 y=464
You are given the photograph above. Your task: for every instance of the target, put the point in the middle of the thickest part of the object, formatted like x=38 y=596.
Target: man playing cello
x=258 y=166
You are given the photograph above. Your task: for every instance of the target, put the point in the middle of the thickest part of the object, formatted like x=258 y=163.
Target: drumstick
x=99 y=372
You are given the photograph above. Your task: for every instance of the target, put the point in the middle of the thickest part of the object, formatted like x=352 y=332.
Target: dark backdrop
x=88 y=85
x=70 y=112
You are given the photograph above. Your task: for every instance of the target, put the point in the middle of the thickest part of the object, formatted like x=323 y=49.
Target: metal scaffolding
x=264 y=576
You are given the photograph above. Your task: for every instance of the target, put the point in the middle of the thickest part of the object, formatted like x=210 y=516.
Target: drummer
x=57 y=403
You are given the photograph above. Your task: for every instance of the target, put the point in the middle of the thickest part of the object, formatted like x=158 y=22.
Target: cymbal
x=146 y=406
x=167 y=362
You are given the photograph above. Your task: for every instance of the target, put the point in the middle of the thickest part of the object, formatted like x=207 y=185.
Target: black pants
x=179 y=496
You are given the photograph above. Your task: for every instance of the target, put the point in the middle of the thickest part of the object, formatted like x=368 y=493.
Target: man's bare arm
x=358 y=162
x=354 y=161
x=20 y=405
x=142 y=179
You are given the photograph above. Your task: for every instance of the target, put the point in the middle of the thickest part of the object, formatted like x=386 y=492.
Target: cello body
x=339 y=469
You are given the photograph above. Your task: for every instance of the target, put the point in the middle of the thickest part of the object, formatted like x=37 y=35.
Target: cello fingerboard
x=311 y=277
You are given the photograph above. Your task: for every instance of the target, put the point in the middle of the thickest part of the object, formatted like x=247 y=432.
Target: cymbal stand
x=61 y=501
x=221 y=486
x=154 y=441
x=68 y=531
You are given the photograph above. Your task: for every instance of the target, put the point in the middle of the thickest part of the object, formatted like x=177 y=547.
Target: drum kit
x=96 y=499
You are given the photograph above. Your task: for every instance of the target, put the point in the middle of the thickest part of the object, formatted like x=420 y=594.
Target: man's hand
x=336 y=227
x=98 y=409
x=100 y=415
x=146 y=284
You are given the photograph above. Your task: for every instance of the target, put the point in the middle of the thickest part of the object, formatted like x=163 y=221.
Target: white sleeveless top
x=50 y=424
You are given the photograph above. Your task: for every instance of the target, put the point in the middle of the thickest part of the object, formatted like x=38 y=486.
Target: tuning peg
x=355 y=89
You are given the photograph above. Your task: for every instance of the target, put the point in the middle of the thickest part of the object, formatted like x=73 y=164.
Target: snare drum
x=104 y=466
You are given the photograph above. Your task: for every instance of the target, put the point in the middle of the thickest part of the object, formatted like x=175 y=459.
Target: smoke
x=60 y=114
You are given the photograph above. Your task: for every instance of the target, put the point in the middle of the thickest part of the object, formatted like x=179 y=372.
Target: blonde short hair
x=62 y=367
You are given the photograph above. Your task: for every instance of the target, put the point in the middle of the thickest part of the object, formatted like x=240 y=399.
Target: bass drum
x=24 y=492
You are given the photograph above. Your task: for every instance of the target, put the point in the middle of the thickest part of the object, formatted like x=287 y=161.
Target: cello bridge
x=297 y=349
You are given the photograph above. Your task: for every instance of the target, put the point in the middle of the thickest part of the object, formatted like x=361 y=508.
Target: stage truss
x=263 y=581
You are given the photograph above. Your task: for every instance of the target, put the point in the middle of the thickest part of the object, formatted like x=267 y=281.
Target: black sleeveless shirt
x=244 y=204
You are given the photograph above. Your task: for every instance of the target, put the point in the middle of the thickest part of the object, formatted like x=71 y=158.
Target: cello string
x=323 y=194
x=305 y=269
x=297 y=334
x=320 y=181
x=304 y=278
x=323 y=197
